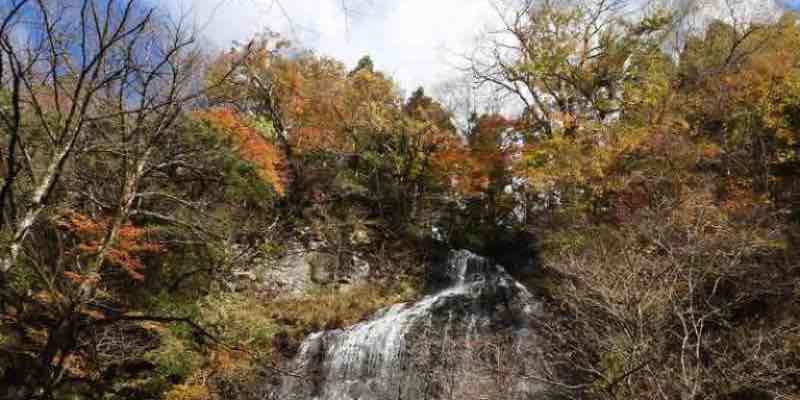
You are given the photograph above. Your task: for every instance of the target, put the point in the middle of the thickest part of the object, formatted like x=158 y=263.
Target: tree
x=646 y=207
x=745 y=82
x=491 y=145
x=421 y=107
x=69 y=94
x=564 y=61
x=250 y=145
x=93 y=85
x=364 y=63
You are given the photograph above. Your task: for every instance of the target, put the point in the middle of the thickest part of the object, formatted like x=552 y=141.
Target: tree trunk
x=38 y=204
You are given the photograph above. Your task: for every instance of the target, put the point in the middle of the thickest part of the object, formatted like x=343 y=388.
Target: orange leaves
x=323 y=106
x=79 y=279
x=473 y=168
x=250 y=145
x=470 y=169
x=454 y=167
x=79 y=223
x=132 y=242
x=487 y=142
x=291 y=82
x=312 y=139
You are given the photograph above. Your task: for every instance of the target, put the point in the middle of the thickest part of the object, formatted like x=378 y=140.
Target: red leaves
x=132 y=242
x=470 y=169
x=79 y=279
x=250 y=145
x=486 y=141
x=455 y=167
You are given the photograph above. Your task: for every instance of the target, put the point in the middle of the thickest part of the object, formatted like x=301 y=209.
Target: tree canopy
x=145 y=181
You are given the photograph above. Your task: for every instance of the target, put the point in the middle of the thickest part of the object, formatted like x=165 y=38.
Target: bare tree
x=561 y=60
x=62 y=84
x=10 y=114
x=92 y=83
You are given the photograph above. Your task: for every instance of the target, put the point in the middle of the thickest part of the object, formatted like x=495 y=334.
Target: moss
x=173 y=358
x=614 y=362
x=325 y=308
x=188 y=392
x=252 y=333
x=240 y=320
x=166 y=303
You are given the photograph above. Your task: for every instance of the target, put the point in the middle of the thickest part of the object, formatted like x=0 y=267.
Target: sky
x=417 y=42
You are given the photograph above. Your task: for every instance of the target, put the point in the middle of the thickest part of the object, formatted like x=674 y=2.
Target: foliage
x=662 y=187
x=667 y=228
x=250 y=145
x=131 y=243
x=328 y=309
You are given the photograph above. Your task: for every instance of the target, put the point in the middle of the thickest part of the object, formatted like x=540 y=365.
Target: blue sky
x=795 y=4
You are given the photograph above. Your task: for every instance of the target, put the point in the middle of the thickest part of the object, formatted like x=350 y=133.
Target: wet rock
x=394 y=355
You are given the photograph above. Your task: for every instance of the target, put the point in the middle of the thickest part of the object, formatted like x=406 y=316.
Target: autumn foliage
x=251 y=145
x=643 y=179
x=133 y=243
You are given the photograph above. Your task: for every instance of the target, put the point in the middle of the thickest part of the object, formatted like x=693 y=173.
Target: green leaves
x=654 y=22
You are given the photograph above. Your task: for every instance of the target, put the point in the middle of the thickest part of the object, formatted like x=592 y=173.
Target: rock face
x=304 y=268
x=392 y=356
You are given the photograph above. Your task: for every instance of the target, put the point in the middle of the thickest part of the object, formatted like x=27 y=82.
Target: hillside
x=588 y=212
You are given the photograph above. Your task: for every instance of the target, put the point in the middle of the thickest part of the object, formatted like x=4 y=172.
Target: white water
x=368 y=361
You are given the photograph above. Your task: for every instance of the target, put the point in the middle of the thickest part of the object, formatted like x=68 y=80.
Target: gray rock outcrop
x=397 y=353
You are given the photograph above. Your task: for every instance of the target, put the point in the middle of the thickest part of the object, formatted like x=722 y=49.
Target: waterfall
x=373 y=360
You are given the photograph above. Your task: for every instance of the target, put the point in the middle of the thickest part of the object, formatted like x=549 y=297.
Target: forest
x=641 y=178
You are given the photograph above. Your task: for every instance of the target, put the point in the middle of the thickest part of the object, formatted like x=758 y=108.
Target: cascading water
x=374 y=360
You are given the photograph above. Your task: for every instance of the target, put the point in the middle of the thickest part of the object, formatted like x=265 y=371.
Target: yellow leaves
x=370 y=102
x=564 y=160
x=330 y=111
x=188 y=392
x=648 y=94
x=332 y=309
x=756 y=101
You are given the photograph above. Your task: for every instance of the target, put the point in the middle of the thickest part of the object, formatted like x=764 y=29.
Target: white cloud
x=415 y=41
